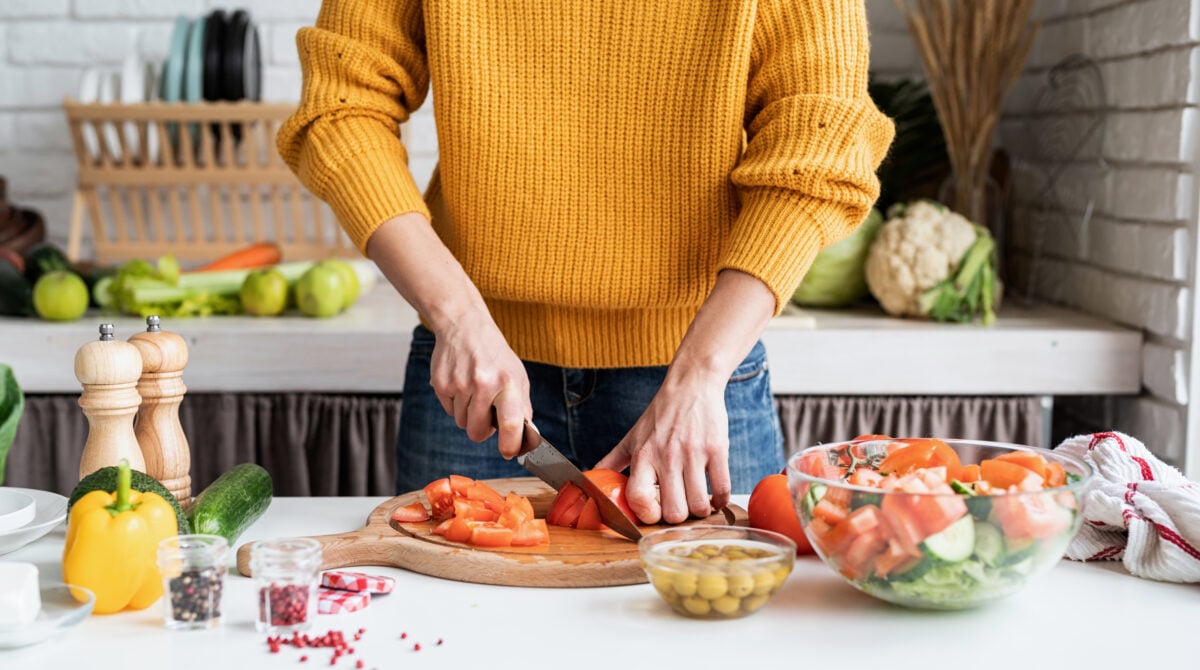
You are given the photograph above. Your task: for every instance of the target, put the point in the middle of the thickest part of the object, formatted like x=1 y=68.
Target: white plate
x=89 y=90
x=133 y=91
x=60 y=610
x=110 y=84
x=17 y=508
x=51 y=510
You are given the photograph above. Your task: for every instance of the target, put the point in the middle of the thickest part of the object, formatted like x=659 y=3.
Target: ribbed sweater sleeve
x=814 y=140
x=365 y=71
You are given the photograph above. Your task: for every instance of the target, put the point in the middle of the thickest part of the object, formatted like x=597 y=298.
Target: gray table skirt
x=343 y=445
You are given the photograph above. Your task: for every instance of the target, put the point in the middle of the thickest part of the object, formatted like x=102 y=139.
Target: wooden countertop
x=1030 y=350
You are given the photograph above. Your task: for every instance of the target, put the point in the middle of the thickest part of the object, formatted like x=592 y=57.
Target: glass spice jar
x=286 y=573
x=193 y=572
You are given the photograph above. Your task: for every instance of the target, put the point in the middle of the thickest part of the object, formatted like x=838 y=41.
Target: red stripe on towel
x=1147 y=473
x=1097 y=438
x=1106 y=553
x=1166 y=534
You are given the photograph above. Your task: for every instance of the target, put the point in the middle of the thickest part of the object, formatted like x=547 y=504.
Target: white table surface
x=1030 y=350
x=1076 y=616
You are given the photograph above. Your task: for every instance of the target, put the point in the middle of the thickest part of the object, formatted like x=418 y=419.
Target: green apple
x=349 y=279
x=61 y=295
x=320 y=291
x=264 y=292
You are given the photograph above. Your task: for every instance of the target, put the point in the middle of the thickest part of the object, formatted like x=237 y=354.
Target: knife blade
x=548 y=463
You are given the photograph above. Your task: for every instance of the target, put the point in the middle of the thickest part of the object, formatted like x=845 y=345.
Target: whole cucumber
x=233 y=502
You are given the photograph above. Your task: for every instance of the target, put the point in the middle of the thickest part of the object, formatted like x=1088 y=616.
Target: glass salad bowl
x=716 y=572
x=937 y=524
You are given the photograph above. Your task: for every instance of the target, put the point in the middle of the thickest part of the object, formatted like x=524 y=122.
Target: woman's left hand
x=681 y=437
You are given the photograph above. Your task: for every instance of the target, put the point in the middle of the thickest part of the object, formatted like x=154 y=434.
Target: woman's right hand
x=473 y=371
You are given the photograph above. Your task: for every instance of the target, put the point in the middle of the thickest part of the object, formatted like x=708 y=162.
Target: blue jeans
x=582 y=412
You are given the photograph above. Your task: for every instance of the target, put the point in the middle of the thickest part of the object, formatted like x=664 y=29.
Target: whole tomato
x=771 y=509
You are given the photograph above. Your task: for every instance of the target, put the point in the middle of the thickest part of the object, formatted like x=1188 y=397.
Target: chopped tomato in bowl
x=937 y=524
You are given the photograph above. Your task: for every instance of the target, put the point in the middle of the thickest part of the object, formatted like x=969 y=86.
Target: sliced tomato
x=832 y=513
x=894 y=559
x=460 y=485
x=443 y=527
x=871 y=436
x=1037 y=516
x=480 y=492
x=966 y=474
x=459 y=530
x=488 y=534
x=817 y=464
x=411 y=513
x=1027 y=460
x=1003 y=474
x=589 y=517
x=920 y=453
x=472 y=510
x=857 y=561
x=570 y=501
x=513 y=501
x=532 y=533
x=441 y=498
x=1055 y=474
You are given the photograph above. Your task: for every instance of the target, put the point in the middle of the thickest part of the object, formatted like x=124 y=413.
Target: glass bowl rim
x=1073 y=487
x=779 y=541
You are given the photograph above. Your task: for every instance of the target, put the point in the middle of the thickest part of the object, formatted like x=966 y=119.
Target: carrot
x=260 y=254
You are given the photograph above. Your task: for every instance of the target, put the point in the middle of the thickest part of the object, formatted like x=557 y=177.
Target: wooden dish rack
x=215 y=184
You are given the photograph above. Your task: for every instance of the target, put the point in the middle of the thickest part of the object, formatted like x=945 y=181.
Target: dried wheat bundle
x=973 y=51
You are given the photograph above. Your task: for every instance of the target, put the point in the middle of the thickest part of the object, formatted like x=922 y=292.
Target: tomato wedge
x=920 y=453
x=472 y=512
x=569 y=504
x=411 y=513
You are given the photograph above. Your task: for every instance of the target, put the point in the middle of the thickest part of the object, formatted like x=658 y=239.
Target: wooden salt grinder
x=109 y=369
x=164 y=446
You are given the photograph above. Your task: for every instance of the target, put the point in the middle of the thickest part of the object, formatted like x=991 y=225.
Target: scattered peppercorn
x=417 y=647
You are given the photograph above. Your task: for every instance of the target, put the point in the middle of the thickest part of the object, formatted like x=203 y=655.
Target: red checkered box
x=357 y=581
x=336 y=601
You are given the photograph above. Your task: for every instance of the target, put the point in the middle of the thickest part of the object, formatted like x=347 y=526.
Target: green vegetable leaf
x=12 y=404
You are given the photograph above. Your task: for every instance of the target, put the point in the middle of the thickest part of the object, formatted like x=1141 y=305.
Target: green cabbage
x=12 y=403
x=836 y=278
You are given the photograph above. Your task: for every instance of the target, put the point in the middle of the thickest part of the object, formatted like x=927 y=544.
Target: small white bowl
x=16 y=509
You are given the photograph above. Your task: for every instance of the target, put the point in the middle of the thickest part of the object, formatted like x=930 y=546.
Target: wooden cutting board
x=574 y=558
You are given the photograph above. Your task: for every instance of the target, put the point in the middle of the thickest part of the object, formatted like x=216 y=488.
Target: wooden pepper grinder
x=109 y=369
x=164 y=446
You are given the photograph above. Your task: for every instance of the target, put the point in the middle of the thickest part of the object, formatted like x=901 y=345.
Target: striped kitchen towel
x=1136 y=509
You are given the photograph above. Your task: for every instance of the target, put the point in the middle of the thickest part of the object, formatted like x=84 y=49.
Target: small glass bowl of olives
x=716 y=572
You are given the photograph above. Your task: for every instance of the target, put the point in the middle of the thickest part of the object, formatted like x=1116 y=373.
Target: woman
x=627 y=192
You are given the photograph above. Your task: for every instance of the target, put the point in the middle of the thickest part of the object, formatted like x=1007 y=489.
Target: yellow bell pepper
x=112 y=545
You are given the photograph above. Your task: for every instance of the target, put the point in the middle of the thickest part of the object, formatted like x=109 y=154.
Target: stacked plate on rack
x=212 y=57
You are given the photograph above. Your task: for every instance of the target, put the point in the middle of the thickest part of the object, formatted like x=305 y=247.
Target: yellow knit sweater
x=600 y=161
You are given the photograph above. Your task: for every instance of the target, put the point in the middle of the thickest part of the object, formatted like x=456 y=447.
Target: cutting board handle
x=365 y=546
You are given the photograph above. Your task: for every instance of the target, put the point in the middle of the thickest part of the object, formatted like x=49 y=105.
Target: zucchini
x=43 y=260
x=954 y=543
x=105 y=479
x=233 y=502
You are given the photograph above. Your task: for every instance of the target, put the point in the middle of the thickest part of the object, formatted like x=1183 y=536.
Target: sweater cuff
x=366 y=188
x=776 y=237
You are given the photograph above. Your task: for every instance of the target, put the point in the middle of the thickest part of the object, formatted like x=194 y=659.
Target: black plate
x=233 y=85
x=214 y=43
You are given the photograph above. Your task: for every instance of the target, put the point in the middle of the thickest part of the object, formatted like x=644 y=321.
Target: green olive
x=764 y=583
x=741 y=585
x=698 y=606
x=726 y=605
x=712 y=585
x=662 y=580
x=752 y=603
x=781 y=575
x=685 y=583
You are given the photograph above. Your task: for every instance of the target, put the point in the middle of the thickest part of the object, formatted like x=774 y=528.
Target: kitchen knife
x=542 y=459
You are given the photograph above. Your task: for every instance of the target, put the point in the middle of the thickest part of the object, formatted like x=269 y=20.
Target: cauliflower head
x=918 y=247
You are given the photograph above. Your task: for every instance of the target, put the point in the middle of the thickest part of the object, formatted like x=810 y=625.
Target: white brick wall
x=1133 y=260
x=46 y=44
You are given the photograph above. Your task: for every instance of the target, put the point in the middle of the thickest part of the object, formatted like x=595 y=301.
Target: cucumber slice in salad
x=955 y=543
x=814 y=495
x=989 y=543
